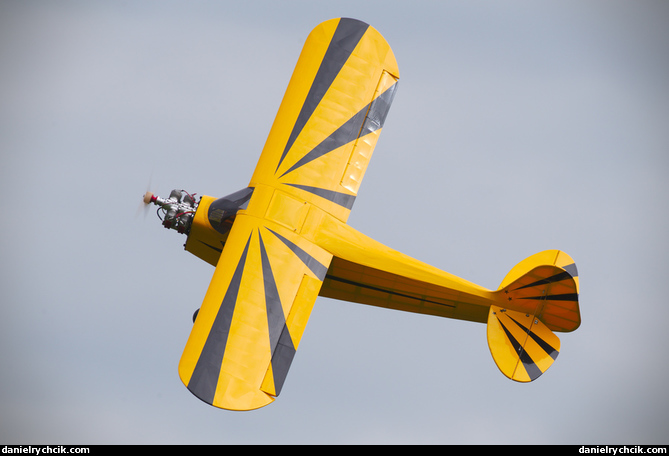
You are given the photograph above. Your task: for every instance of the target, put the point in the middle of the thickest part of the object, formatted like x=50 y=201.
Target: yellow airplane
x=283 y=240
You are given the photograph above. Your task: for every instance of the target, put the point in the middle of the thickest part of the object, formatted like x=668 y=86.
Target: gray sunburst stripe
x=367 y=120
x=545 y=346
x=344 y=41
x=342 y=199
x=343 y=135
x=378 y=110
x=571 y=269
x=530 y=366
x=282 y=358
x=281 y=343
x=564 y=275
x=275 y=317
x=312 y=263
x=208 y=367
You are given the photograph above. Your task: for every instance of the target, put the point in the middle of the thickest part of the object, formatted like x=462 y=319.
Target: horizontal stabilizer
x=521 y=345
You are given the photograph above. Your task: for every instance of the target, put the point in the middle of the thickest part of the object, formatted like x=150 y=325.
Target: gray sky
x=518 y=126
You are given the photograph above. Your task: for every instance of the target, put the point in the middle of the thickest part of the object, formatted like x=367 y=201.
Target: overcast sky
x=518 y=126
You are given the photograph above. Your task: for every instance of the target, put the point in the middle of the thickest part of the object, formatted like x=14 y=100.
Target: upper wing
x=253 y=315
x=331 y=116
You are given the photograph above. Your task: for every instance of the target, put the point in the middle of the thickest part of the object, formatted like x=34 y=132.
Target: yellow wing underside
x=270 y=270
x=331 y=116
x=253 y=315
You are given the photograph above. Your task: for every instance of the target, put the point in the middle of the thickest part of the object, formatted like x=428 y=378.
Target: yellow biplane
x=283 y=241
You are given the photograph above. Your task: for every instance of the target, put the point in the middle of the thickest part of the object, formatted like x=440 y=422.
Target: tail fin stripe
x=545 y=346
x=556 y=297
x=532 y=370
x=556 y=278
x=571 y=269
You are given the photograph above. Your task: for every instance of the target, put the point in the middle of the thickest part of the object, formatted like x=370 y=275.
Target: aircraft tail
x=538 y=296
